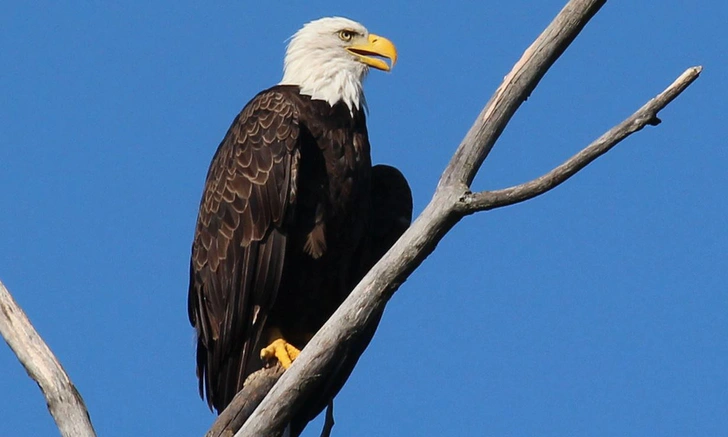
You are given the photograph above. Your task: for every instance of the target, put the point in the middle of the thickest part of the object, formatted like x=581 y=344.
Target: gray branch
x=515 y=89
x=442 y=213
x=646 y=115
x=256 y=386
x=64 y=401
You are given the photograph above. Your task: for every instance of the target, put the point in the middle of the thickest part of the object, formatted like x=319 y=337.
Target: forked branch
x=451 y=202
x=646 y=115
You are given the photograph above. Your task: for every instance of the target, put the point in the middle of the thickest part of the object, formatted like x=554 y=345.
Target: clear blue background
x=598 y=309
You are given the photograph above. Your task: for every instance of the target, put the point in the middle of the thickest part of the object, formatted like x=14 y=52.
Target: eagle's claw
x=285 y=352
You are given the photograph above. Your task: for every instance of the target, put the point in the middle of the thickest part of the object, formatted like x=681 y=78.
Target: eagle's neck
x=331 y=80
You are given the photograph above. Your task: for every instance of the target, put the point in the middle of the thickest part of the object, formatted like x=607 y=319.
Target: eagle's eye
x=346 y=35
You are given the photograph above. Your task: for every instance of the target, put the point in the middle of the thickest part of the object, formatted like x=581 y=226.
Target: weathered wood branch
x=419 y=241
x=515 y=89
x=646 y=115
x=244 y=403
x=64 y=401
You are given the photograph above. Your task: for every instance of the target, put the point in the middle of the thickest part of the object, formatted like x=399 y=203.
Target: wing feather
x=389 y=217
x=240 y=240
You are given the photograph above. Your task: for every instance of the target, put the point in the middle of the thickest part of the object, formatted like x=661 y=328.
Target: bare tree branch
x=515 y=89
x=646 y=115
x=256 y=386
x=419 y=241
x=64 y=401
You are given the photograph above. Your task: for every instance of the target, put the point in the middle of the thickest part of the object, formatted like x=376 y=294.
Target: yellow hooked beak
x=377 y=46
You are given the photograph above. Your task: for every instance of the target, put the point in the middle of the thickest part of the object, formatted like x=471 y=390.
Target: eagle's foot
x=280 y=349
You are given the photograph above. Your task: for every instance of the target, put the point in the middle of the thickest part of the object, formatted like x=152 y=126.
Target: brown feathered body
x=284 y=213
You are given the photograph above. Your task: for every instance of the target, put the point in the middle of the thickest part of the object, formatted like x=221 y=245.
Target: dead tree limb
x=244 y=403
x=515 y=89
x=646 y=115
x=64 y=401
x=452 y=201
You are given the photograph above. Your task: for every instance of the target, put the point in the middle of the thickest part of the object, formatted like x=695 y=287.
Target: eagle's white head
x=329 y=58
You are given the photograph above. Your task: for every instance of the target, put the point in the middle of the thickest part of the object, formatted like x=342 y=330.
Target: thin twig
x=646 y=115
x=64 y=401
x=329 y=421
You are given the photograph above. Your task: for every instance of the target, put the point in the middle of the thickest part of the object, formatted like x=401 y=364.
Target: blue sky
x=598 y=309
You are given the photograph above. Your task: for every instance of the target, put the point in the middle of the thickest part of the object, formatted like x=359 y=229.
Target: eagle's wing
x=391 y=212
x=240 y=242
x=389 y=216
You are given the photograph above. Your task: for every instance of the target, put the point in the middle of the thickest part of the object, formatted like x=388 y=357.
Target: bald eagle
x=293 y=214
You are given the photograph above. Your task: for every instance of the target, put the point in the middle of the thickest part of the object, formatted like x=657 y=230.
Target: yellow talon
x=285 y=352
